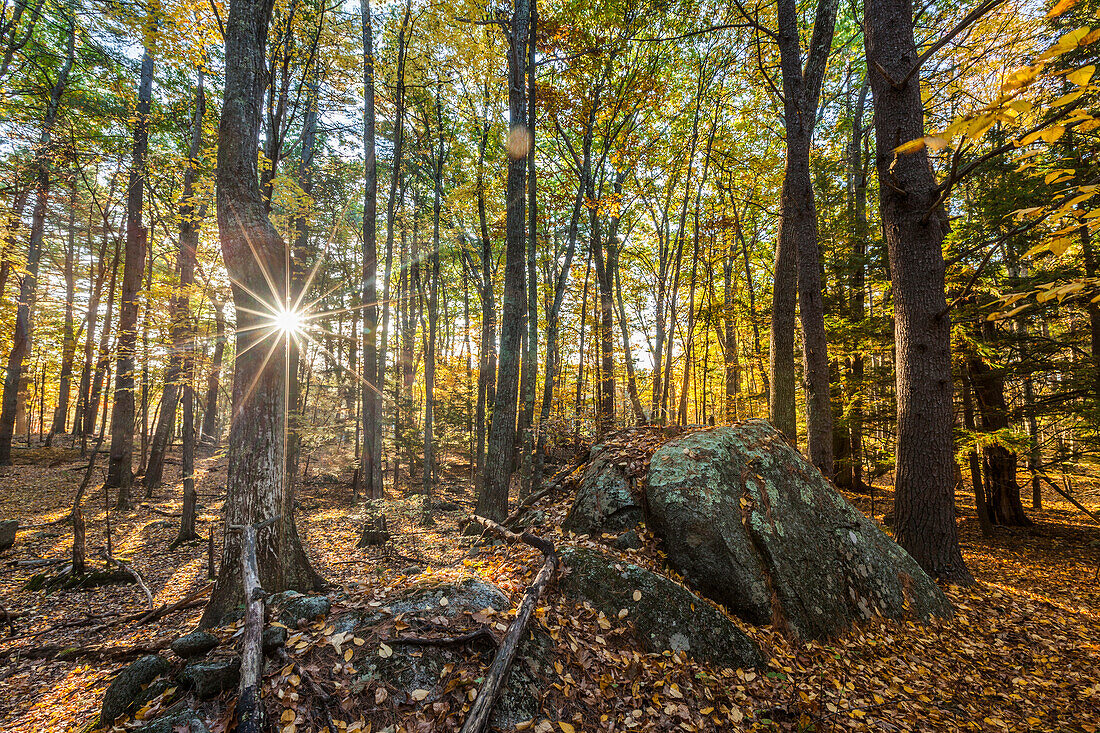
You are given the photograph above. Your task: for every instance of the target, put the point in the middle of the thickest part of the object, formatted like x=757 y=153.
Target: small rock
x=274 y=638
x=8 y=528
x=628 y=540
x=210 y=677
x=195 y=644
x=127 y=685
x=446 y=505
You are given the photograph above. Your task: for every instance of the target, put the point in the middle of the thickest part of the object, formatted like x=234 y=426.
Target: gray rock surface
x=664 y=614
x=8 y=528
x=195 y=644
x=127 y=686
x=211 y=676
x=745 y=518
x=605 y=502
x=413 y=667
x=293 y=607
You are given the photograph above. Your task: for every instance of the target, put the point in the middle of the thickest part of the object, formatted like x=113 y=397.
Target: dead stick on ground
x=127 y=568
x=478 y=719
x=1071 y=500
x=144 y=617
x=249 y=712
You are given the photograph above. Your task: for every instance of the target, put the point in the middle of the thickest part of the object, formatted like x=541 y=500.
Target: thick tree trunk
x=21 y=338
x=924 y=506
x=492 y=501
x=255 y=255
x=120 y=465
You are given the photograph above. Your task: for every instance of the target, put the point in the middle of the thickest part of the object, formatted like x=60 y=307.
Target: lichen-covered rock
x=195 y=644
x=293 y=607
x=127 y=686
x=605 y=502
x=211 y=676
x=415 y=667
x=665 y=615
x=8 y=528
x=750 y=523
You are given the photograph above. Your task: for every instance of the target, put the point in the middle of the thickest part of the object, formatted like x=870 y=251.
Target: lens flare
x=288 y=321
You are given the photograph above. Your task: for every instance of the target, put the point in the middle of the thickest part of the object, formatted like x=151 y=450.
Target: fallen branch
x=144 y=617
x=482 y=709
x=1069 y=498
x=476 y=635
x=127 y=568
x=249 y=712
x=97 y=653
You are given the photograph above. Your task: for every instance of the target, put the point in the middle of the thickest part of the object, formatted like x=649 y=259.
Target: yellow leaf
x=1052 y=134
x=912 y=146
x=637 y=596
x=1061 y=7
x=566 y=727
x=288 y=716
x=419 y=694
x=1081 y=76
x=384 y=651
x=347 y=655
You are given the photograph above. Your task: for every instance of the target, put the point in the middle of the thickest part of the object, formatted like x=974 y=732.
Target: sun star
x=288 y=321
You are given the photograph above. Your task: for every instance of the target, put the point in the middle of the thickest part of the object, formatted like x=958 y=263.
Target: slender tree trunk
x=213 y=380
x=120 y=465
x=103 y=356
x=428 y=470
x=21 y=338
x=370 y=393
x=187 y=256
x=924 y=507
x=257 y=489
x=492 y=501
x=68 y=350
x=980 y=503
x=798 y=250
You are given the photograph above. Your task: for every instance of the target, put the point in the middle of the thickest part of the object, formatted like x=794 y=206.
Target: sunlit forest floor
x=1022 y=652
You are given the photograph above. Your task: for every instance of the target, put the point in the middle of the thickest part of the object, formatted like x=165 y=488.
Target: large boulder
x=753 y=525
x=128 y=684
x=605 y=501
x=664 y=614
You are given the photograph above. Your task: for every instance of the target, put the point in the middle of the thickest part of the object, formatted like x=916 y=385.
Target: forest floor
x=1021 y=653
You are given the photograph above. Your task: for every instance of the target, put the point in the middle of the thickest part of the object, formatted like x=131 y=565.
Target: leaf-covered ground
x=1021 y=652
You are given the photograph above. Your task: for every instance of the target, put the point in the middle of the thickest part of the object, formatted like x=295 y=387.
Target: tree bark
x=68 y=349
x=21 y=338
x=255 y=259
x=798 y=247
x=120 y=465
x=492 y=501
x=924 y=508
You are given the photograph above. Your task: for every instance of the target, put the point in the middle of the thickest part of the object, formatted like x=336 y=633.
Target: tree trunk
x=492 y=501
x=370 y=393
x=798 y=246
x=213 y=380
x=924 y=507
x=253 y=252
x=21 y=338
x=68 y=350
x=120 y=465
x=185 y=344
